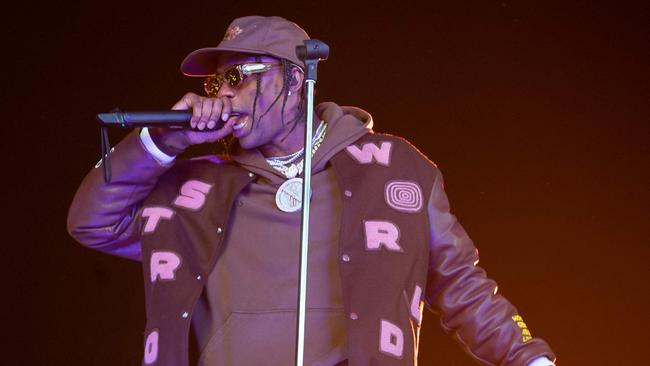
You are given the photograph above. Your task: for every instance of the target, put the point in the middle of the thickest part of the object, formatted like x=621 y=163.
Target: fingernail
x=211 y=124
x=225 y=116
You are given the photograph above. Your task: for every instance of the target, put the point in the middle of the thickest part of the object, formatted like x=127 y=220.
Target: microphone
x=169 y=119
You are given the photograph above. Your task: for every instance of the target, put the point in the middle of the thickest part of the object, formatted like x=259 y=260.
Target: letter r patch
x=382 y=233
x=164 y=265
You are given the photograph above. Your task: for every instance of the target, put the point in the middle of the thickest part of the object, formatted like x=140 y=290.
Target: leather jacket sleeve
x=483 y=321
x=105 y=216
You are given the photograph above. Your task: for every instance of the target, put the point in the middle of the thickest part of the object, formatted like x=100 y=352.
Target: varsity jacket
x=400 y=249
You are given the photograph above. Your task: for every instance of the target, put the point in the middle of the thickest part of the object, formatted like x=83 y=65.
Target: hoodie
x=249 y=301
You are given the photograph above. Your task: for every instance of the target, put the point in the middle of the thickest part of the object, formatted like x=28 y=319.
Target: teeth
x=240 y=125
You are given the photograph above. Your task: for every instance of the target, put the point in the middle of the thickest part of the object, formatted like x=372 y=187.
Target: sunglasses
x=234 y=76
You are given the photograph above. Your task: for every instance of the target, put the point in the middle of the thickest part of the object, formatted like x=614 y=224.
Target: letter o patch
x=403 y=196
x=151 y=348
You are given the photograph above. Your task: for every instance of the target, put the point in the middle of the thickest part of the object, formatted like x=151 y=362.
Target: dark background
x=535 y=111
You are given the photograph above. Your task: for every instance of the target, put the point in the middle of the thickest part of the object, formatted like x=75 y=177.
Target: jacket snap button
x=345 y=258
x=185 y=314
x=219 y=230
x=251 y=175
x=354 y=316
x=347 y=193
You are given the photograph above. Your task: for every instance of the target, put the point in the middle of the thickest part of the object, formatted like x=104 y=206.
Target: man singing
x=219 y=236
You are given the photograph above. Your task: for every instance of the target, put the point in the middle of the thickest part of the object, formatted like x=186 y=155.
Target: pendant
x=288 y=198
x=292 y=171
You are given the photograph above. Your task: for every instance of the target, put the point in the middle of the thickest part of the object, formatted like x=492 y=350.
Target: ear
x=296 y=79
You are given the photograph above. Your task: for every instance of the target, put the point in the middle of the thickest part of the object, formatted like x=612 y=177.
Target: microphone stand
x=311 y=52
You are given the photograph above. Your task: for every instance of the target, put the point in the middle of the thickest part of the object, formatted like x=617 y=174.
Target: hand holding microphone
x=207 y=113
x=209 y=116
x=193 y=120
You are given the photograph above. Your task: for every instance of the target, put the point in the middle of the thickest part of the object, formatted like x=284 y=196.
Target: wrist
x=172 y=143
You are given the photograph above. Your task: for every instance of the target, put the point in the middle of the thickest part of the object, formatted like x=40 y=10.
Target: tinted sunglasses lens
x=232 y=77
x=211 y=85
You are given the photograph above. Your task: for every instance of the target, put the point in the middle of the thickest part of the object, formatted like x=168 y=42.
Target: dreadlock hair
x=286 y=79
x=286 y=83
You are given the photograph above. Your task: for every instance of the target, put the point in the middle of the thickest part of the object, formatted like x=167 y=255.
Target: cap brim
x=204 y=61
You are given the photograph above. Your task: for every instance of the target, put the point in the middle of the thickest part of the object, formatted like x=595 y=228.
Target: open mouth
x=240 y=123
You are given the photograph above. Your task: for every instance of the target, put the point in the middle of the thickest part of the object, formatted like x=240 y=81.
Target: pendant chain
x=286 y=164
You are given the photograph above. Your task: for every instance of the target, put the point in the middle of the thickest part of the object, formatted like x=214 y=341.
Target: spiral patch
x=403 y=196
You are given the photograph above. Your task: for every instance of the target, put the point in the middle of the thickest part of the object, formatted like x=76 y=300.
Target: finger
x=199 y=137
x=197 y=108
x=226 y=109
x=185 y=102
x=217 y=104
x=206 y=111
x=197 y=115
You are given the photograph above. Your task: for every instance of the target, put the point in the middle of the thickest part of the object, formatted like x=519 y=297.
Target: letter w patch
x=370 y=152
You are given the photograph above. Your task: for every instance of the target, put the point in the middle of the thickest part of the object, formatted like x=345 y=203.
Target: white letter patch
x=391 y=339
x=416 y=304
x=164 y=265
x=151 y=348
x=370 y=152
x=380 y=233
x=403 y=196
x=153 y=216
x=192 y=194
